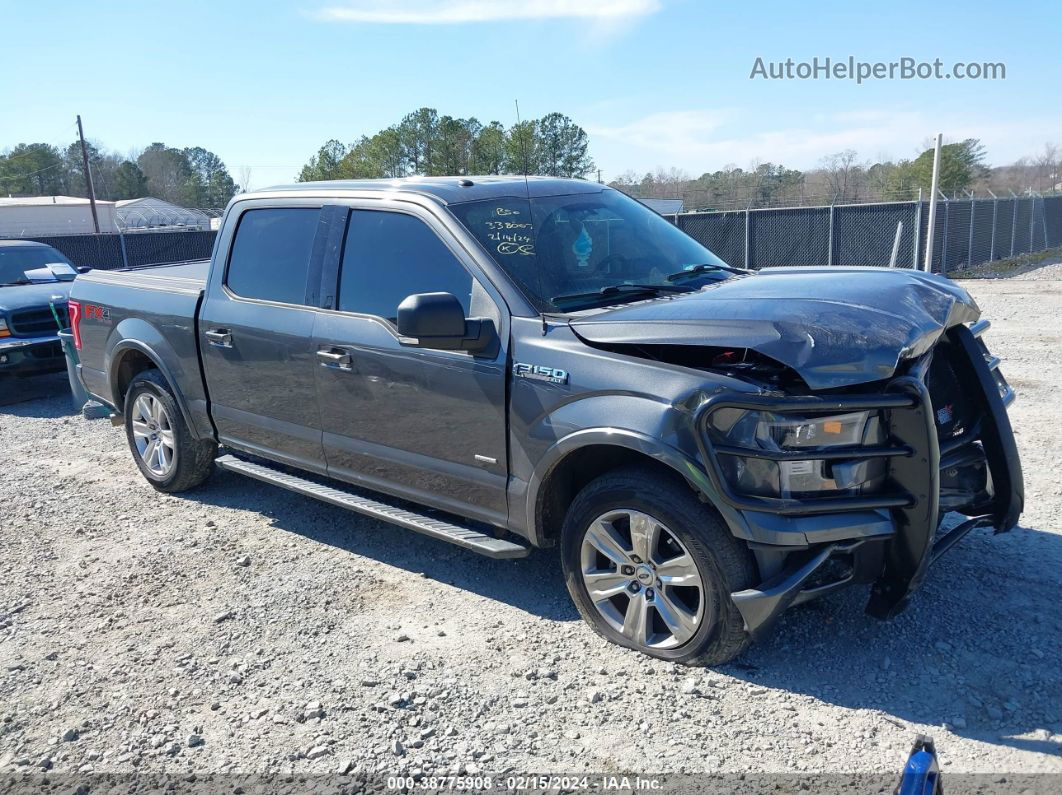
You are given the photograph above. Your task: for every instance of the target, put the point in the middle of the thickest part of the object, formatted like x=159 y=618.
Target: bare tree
x=1046 y=166
x=842 y=175
x=245 y=178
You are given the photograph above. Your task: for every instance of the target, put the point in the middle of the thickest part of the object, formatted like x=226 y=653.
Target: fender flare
x=682 y=464
x=115 y=357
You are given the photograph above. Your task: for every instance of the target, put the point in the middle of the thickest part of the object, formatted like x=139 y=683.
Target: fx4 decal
x=98 y=312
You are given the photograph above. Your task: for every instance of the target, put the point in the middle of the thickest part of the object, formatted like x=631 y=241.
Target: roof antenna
x=527 y=192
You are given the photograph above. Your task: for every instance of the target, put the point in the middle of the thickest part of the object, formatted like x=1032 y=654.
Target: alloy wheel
x=642 y=580
x=153 y=435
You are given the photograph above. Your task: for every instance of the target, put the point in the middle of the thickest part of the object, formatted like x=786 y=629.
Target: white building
x=150 y=213
x=39 y=216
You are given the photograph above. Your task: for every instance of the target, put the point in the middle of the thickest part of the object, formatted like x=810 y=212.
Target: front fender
x=652 y=447
x=135 y=334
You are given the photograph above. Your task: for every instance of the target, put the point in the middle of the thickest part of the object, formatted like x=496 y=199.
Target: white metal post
x=1013 y=223
x=121 y=242
x=896 y=244
x=1043 y=219
x=747 y=236
x=829 y=239
x=995 y=214
x=928 y=266
x=969 y=245
x=944 y=238
x=1032 y=222
x=917 y=231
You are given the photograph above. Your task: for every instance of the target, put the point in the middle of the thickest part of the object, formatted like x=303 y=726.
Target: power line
x=33 y=173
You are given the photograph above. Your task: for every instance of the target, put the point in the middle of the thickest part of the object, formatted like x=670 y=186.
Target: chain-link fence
x=967 y=232
x=132 y=249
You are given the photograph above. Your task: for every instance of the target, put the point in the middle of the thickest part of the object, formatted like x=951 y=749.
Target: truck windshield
x=16 y=260
x=580 y=250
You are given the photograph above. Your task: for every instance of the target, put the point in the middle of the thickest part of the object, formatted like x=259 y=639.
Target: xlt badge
x=540 y=373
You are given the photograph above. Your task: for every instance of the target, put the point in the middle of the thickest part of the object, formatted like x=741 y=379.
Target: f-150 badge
x=540 y=373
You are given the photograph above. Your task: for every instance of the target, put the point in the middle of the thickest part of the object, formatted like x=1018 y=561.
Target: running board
x=436 y=528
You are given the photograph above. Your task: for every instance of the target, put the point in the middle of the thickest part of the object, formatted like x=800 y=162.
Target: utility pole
x=928 y=266
x=88 y=175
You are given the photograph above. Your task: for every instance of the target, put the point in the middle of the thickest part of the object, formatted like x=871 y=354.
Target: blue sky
x=656 y=83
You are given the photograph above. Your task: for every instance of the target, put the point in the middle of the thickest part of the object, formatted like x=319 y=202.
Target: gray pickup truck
x=504 y=363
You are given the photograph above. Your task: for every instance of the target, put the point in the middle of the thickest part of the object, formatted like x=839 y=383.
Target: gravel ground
x=243 y=628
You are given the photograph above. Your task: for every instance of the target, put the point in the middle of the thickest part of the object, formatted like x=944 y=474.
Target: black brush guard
x=912 y=495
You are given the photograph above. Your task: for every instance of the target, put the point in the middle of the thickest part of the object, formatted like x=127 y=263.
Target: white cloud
x=676 y=131
x=708 y=139
x=453 y=12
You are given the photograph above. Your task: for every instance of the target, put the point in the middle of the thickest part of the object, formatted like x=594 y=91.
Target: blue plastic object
x=921 y=774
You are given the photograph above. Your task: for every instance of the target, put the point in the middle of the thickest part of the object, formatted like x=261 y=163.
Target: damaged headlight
x=773 y=465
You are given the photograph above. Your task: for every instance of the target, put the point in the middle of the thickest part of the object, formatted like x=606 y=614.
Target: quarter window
x=389 y=256
x=271 y=254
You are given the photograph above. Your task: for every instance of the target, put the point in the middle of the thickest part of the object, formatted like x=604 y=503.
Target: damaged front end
x=851 y=487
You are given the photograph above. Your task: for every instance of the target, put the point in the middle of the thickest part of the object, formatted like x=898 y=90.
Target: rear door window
x=271 y=251
x=389 y=256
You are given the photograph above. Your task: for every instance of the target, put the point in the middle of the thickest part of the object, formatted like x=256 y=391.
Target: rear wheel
x=163 y=447
x=652 y=568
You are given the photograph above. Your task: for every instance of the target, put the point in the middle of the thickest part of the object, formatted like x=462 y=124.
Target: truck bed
x=149 y=311
x=190 y=275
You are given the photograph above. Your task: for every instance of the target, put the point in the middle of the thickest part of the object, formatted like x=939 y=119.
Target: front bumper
x=31 y=355
x=888 y=538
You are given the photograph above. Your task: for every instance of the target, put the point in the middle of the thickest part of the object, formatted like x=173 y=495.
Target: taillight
x=74 y=310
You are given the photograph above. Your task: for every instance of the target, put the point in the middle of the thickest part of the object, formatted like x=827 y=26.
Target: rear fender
x=134 y=334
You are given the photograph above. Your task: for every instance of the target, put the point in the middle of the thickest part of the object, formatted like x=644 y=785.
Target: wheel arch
x=575 y=460
x=129 y=358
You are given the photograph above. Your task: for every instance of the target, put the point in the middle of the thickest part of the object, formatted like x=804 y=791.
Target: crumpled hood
x=33 y=296
x=834 y=326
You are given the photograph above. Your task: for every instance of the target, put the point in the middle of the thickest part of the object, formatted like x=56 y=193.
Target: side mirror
x=83 y=268
x=437 y=321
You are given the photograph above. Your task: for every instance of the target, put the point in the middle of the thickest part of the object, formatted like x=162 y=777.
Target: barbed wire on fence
x=135 y=217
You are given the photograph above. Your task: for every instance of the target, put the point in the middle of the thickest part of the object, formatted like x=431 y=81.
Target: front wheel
x=163 y=447
x=652 y=568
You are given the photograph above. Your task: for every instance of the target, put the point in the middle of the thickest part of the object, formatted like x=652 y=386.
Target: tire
x=691 y=543
x=187 y=461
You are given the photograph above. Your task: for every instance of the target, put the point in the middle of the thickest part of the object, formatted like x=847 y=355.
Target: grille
x=33 y=322
x=52 y=350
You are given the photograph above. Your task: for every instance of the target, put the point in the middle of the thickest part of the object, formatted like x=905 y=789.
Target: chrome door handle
x=219 y=337
x=336 y=359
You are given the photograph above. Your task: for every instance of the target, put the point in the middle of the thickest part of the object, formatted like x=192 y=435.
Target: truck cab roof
x=448 y=190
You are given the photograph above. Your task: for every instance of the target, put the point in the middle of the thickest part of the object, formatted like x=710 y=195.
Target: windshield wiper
x=17 y=283
x=697 y=270
x=622 y=289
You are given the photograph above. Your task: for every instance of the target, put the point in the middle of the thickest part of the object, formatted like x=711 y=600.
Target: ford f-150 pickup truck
x=504 y=363
x=34 y=277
